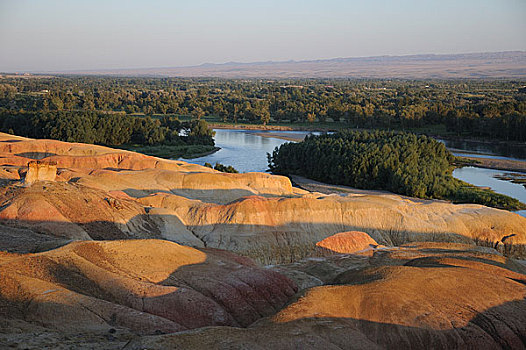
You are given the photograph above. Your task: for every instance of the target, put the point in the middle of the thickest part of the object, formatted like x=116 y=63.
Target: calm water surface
x=246 y=151
x=486 y=177
x=243 y=149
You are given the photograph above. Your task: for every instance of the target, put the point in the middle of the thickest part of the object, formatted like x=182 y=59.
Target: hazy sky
x=39 y=35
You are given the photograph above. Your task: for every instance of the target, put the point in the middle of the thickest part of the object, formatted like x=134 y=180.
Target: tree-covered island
x=400 y=162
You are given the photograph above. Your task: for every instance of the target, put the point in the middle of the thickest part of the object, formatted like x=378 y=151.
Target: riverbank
x=289 y=137
x=325 y=127
x=200 y=154
x=450 y=137
x=497 y=164
x=173 y=152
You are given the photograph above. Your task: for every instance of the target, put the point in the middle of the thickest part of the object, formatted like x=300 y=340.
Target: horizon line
x=204 y=64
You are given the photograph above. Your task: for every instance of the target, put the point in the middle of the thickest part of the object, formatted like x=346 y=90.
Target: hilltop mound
x=346 y=242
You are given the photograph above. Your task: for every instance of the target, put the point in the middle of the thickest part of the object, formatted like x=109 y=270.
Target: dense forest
x=404 y=163
x=165 y=137
x=474 y=108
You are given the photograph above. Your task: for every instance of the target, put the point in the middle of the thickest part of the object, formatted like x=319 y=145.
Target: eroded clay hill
x=88 y=260
x=143 y=286
x=439 y=296
x=102 y=193
x=111 y=295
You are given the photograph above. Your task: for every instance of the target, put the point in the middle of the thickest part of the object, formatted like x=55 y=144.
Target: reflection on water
x=486 y=177
x=242 y=149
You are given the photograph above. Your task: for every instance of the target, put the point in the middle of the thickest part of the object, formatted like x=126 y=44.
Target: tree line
x=486 y=109
x=106 y=129
x=400 y=162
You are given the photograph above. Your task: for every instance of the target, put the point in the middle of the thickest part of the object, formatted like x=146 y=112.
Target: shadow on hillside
x=216 y=196
x=95 y=288
x=216 y=292
x=35 y=155
x=266 y=244
x=499 y=327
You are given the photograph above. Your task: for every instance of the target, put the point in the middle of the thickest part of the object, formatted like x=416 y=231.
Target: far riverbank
x=173 y=151
x=269 y=127
x=498 y=164
x=288 y=137
x=509 y=149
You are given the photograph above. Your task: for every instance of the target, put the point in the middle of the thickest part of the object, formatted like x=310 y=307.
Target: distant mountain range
x=490 y=65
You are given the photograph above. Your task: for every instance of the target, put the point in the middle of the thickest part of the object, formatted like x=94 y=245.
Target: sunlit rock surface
x=346 y=243
x=86 y=260
x=40 y=171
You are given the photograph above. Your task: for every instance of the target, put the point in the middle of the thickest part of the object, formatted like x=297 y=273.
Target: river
x=247 y=151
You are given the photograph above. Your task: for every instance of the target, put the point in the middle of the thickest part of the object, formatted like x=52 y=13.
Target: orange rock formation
x=107 y=289
x=347 y=242
x=40 y=171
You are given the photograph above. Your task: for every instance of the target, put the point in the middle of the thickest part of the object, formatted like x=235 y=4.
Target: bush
x=223 y=168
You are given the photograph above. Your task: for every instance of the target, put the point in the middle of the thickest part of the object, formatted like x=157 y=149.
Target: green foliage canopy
x=103 y=128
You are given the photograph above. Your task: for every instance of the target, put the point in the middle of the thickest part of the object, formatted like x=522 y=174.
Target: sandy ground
x=315 y=186
x=289 y=137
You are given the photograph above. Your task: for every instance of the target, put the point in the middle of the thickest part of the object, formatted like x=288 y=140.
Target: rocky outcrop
x=145 y=286
x=346 y=243
x=338 y=289
x=40 y=171
x=205 y=186
x=285 y=229
x=111 y=295
x=68 y=211
x=100 y=295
